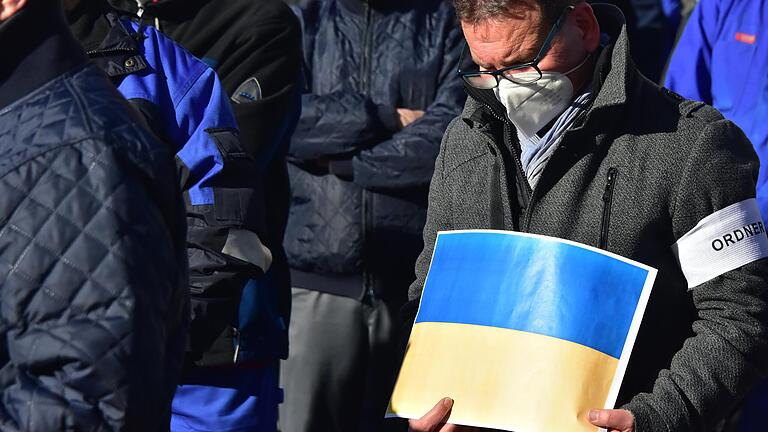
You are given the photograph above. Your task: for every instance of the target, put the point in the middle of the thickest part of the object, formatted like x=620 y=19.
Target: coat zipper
x=111 y=51
x=531 y=192
x=557 y=150
x=140 y=14
x=367 y=276
x=605 y=221
x=366 y=60
x=367 y=293
x=236 y=340
x=507 y=138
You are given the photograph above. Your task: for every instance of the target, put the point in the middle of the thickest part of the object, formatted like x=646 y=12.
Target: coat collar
x=115 y=48
x=615 y=73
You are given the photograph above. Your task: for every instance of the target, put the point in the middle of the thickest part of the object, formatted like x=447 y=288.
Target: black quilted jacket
x=358 y=181
x=92 y=248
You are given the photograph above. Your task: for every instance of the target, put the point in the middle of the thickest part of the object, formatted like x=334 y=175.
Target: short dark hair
x=475 y=11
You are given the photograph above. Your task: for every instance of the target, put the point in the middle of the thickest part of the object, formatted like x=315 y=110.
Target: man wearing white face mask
x=533 y=99
x=562 y=136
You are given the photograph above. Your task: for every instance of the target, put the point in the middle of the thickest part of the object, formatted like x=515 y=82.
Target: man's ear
x=9 y=7
x=586 y=23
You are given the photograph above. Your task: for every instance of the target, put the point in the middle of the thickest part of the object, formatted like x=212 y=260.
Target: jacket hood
x=612 y=75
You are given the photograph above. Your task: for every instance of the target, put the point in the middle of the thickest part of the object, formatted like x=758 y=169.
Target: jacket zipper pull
x=607 y=202
x=236 y=334
x=140 y=13
x=610 y=179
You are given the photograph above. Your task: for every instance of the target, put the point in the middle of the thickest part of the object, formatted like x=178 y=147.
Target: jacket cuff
x=388 y=118
x=647 y=419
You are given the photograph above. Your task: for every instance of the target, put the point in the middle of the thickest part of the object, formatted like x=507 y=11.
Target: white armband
x=721 y=242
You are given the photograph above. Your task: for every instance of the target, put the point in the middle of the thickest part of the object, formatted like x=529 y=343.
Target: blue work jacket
x=721 y=59
x=184 y=103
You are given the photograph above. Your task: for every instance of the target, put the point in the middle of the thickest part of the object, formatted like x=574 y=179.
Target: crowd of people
x=219 y=215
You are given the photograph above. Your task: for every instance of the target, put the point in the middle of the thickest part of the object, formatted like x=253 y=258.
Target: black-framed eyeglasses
x=523 y=73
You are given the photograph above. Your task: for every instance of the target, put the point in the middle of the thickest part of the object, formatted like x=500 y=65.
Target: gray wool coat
x=639 y=170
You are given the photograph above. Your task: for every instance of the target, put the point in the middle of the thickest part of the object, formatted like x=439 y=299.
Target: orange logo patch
x=746 y=38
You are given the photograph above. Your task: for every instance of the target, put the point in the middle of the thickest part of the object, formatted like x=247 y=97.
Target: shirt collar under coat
x=115 y=48
x=614 y=77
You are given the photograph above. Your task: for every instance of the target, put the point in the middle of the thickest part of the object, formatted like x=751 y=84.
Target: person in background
x=93 y=268
x=255 y=49
x=678 y=12
x=380 y=90
x=652 y=26
x=721 y=59
x=184 y=102
x=562 y=136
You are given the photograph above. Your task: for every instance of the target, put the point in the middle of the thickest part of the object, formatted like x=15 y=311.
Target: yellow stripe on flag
x=502 y=378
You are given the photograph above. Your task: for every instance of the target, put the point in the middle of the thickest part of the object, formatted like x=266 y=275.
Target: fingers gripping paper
x=525 y=332
x=721 y=242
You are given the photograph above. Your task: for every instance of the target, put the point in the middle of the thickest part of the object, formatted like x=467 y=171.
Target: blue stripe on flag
x=551 y=288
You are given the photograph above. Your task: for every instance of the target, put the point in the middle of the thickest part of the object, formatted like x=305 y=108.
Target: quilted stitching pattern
x=325 y=224
x=325 y=227
x=92 y=269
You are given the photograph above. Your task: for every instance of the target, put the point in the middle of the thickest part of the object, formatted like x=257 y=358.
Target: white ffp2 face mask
x=531 y=106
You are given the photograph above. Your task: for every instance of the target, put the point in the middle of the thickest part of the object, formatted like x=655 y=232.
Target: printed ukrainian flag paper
x=525 y=332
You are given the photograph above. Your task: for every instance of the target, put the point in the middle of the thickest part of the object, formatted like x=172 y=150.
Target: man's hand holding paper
x=436 y=420
x=616 y=420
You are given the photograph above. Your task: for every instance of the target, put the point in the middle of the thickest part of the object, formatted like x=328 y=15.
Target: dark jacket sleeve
x=335 y=124
x=438 y=219
x=225 y=213
x=272 y=55
x=407 y=159
x=729 y=350
x=223 y=190
x=338 y=124
x=90 y=280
